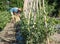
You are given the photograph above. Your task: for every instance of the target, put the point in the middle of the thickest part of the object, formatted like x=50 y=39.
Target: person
x=15 y=12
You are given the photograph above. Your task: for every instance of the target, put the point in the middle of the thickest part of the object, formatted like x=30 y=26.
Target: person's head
x=19 y=10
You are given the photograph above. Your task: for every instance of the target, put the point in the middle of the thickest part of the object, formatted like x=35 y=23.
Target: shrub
x=4 y=19
x=35 y=32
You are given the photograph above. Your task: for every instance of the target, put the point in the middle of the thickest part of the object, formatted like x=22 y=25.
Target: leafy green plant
x=35 y=32
x=4 y=19
x=12 y=3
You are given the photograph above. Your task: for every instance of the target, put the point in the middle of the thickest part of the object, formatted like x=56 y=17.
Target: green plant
x=4 y=5
x=4 y=19
x=35 y=32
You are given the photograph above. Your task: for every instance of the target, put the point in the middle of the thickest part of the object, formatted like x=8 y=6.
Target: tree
x=36 y=25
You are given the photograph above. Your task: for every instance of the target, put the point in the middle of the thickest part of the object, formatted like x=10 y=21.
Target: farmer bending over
x=15 y=12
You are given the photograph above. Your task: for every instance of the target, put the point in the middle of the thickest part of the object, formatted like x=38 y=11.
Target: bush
x=5 y=4
x=35 y=32
x=4 y=19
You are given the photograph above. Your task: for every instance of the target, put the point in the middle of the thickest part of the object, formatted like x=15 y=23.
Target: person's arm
x=12 y=13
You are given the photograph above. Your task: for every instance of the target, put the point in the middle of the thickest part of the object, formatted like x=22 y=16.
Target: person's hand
x=18 y=15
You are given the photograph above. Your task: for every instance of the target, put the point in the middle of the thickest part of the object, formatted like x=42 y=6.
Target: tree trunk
x=25 y=9
x=30 y=7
